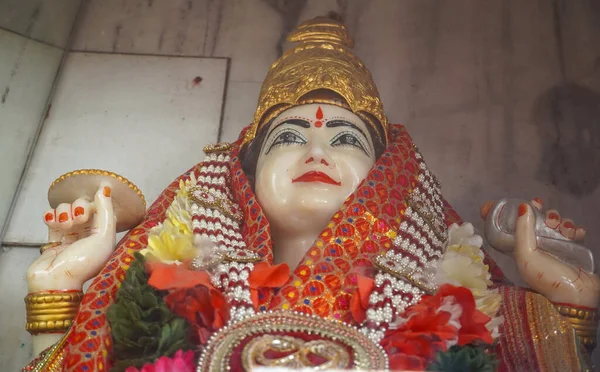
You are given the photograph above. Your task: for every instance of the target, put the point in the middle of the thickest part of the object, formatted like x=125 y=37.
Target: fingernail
x=107 y=191
x=49 y=217
x=79 y=211
x=569 y=225
x=539 y=200
x=63 y=217
x=553 y=216
x=522 y=209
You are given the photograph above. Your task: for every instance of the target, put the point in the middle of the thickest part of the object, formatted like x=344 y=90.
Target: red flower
x=422 y=336
x=359 y=302
x=264 y=277
x=206 y=309
x=191 y=296
x=428 y=328
x=472 y=321
x=405 y=362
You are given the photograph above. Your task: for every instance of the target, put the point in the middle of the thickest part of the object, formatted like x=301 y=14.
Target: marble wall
x=33 y=35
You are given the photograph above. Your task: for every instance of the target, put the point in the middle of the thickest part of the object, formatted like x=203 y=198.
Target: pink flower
x=181 y=362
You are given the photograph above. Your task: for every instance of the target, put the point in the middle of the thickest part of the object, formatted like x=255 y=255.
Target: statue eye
x=286 y=137
x=348 y=139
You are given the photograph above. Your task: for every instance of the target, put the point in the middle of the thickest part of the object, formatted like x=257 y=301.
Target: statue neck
x=291 y=248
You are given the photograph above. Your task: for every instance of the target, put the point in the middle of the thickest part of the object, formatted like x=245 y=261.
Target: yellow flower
x=172 y=240
x=170 y=245
x=489 y=303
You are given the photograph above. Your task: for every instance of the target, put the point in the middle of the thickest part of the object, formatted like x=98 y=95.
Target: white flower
x=462 y=265
x=464 y=235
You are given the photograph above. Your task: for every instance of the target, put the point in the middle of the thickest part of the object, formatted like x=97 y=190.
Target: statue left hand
x=82 y=236
x=546 y=274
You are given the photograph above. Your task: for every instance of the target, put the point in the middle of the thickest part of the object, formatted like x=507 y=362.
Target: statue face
x=313 y=157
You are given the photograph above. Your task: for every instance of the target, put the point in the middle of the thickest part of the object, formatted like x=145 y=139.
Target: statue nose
x=319 y=156
x=312 y=160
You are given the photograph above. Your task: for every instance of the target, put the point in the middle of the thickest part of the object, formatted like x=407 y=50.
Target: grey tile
x=146 y=120
x=47 y=21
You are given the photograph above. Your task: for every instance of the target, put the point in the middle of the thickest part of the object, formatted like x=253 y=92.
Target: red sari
x=325 y=278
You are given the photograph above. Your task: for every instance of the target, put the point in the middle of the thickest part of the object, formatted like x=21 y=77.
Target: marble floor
x=502 y=97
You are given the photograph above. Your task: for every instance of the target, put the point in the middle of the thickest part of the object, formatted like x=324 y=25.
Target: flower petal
x=164 y=276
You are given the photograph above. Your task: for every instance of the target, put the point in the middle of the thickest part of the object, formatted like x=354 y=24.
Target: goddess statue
x=319 y=239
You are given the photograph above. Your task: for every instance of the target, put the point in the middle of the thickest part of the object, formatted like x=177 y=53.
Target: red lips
x=316 y=176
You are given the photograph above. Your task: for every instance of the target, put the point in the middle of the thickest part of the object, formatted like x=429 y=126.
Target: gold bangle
x=583 y=320
x=51 y=311
x=47 y=246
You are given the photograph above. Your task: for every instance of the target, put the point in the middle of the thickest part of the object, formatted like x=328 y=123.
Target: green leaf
x=143 y=328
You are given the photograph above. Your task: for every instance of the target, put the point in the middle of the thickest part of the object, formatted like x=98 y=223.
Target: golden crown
x=321 y=61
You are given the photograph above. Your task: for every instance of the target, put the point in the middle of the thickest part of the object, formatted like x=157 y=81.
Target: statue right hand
x=81 y=236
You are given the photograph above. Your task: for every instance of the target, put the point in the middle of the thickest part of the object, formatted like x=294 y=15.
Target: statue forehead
x=313 y=112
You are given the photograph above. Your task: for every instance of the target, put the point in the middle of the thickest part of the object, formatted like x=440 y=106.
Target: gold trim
x=217 y=147
x=49 y=360
x=50 y=312
x=100 y=172
x=583 y=321
x=553 y=339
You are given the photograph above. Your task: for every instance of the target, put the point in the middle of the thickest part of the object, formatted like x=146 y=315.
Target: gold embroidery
x=49 y=360
x=296 y=351
x=553 y=338
x=584 y=321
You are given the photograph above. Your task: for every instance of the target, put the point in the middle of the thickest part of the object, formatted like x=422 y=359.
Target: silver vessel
x=500 y=225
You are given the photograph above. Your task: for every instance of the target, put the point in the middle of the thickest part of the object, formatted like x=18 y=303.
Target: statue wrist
x=583 y=319
x=51 y=311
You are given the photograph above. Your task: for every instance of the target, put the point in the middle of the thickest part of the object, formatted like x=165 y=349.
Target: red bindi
x=319 y=116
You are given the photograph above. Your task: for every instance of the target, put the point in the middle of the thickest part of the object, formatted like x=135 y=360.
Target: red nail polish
x=522 y=209
x=79 y=211
x=553 y=216
x=107 y=191
x=63 y=217
x=49 y=217
x=569 y=225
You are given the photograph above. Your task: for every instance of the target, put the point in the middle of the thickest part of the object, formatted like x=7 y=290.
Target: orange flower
x=172 y=276
x=264 y=277
x=360 y=298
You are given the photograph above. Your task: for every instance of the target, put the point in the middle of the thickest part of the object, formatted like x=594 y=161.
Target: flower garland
x=428 y=308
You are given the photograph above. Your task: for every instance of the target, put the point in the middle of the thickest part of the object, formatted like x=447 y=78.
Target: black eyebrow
x=344 y=123
x=298 y=122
